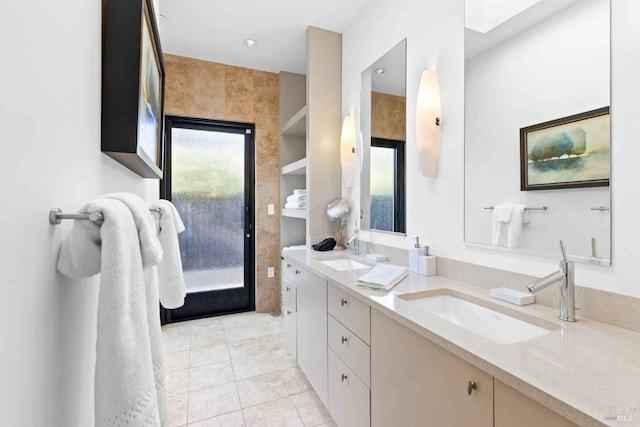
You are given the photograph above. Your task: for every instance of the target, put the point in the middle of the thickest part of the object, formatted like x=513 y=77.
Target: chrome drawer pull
x=288 y=289
x=343 y=302
x=288 y=312
x=297 y=272
x=344 y=377
x=344 y=340
x=471 y=386
x=288 y=265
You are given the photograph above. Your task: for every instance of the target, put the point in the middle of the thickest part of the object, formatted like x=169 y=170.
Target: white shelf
x=296 y=168
x=296 y=125
x=295 y=213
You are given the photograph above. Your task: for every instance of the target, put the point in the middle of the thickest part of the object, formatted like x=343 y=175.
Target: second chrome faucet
x=566 y=278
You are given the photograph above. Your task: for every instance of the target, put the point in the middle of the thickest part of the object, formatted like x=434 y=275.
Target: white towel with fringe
x=152 y=254
x=125 y=385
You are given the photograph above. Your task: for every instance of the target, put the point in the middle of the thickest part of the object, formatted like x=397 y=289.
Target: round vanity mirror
x=338 y=208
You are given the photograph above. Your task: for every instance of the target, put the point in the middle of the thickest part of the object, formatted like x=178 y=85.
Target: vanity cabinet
x=305 y=315
x=514 y=409
x=349 y=357
x=289 y=309
x=417 y=383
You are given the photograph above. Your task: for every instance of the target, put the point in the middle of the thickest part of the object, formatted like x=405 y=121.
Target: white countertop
x=584 y=370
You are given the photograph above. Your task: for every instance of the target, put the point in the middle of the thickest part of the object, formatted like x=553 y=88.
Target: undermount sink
x=480 y=320
x=342 y=263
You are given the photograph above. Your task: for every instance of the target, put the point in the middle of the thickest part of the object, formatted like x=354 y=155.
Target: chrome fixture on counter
x=354 y=242
x=566 y=278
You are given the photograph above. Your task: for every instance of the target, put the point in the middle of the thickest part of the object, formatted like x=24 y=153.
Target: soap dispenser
x=414 y=253
x=426 y=262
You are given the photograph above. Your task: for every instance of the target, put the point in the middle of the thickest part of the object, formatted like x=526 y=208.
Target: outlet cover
x=271 y=210
x=271 y=272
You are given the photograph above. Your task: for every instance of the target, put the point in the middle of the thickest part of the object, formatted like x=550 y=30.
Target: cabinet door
x=415 y=382
x=312 y=330
x=348 y=396
x=514 y=409
x=290 y=316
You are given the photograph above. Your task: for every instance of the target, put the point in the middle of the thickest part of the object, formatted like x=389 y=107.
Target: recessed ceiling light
x=379 y=70
x=250 y=43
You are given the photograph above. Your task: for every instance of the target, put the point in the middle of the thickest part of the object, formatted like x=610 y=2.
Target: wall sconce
x=348 y=150
x=428 y=123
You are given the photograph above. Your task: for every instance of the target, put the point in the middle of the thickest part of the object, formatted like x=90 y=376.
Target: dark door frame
x=399 y=218
x=226 y=301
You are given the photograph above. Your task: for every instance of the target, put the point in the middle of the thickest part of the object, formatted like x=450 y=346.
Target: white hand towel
x=302 y=191
x=501 y=217
x=519 y=217
x=295 y=205
x=125 y=387
x=382 y=277
x=151 y=251
x=297 y=198
x=171 y=284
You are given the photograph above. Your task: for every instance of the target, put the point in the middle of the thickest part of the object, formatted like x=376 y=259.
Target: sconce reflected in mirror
x=428 y=123
x=348 y=150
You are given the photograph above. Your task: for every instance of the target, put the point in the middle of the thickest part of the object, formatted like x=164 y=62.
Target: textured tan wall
x=209 y=90
x=388 y=116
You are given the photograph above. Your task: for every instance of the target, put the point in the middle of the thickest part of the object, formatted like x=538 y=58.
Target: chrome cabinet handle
x=344 y=377
x=288 y=289
x=288 y=265
x=288 y=312
x=343 y=302
x=344 y=340
x=471 y=385
x=297 y=272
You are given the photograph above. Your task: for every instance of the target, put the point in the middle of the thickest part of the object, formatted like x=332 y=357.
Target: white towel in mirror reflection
x=508 y=219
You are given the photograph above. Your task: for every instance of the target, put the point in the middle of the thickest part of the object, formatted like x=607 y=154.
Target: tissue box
x=512 y=296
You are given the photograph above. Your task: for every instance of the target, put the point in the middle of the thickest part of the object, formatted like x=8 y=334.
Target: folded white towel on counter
x=297 y=198
x=382 y=277
x=125 y=386
x=171 y=284
x=295 y=205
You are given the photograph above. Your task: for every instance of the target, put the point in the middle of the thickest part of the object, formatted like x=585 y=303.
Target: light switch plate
x=271 y=209
x=271 y=272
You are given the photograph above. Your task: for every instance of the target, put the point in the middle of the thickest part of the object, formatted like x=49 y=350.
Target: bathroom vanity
x=378 y=358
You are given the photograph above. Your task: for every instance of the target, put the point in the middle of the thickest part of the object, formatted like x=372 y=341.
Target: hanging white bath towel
x=152 y=255
x=125 y=387
x=170 y=275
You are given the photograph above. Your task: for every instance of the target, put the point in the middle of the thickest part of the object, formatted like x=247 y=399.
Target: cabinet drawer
x=351 y=349
x=349 y=398
x=351 y=312
x=288 y=270
x=288 y=296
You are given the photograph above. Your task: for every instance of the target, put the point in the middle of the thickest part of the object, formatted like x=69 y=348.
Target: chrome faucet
x=355 y=242
x=566 y=277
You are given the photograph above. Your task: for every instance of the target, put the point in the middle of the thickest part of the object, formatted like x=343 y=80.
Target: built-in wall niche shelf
x=295 y=213
x=297 y=124
x=296 y=168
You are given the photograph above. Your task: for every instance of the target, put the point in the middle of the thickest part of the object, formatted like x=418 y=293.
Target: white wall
x=435 y=38
x=50 y=116
x=554 y=69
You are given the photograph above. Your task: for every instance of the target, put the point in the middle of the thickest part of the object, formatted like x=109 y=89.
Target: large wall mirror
x=537 y=127
x=383 y=128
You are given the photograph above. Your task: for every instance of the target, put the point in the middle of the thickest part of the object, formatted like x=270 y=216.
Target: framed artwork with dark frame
x=570 y=152
x=132 y=86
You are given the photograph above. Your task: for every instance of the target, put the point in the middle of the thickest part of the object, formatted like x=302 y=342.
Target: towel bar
x=56 y=216
x=544 y=208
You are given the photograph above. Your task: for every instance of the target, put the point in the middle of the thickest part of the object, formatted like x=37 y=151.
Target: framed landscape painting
x=570 y=152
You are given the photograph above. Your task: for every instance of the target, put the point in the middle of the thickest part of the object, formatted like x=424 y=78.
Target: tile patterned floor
x=233 y=371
